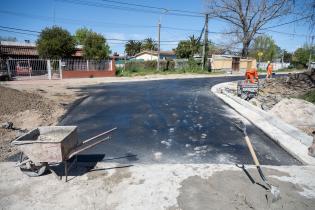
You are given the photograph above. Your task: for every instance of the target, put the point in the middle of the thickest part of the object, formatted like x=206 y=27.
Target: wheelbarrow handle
x=86 y=146
x=99 y=135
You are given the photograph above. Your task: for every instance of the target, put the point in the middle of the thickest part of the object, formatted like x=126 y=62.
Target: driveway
x=169 y=121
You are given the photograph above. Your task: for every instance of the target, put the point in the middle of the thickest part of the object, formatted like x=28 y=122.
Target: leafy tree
x=55 y=42
x=188 y=48
x=301 y=56
x=95 y=46
x=132 y=47
x=287 y=56
x=81 y=34
x=183 y=49
x=267 y=46
x=149 y=44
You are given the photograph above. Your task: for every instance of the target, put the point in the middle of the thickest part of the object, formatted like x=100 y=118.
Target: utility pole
x=125 y=58
x=282 y=57
x=159 y=46
x=205 y=45
x=311 y=53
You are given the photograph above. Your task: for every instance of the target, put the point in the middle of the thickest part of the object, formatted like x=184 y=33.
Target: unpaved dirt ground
x=157 y=187
x=28 y=108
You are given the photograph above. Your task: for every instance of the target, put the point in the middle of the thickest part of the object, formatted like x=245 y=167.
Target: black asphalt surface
x=169 y=121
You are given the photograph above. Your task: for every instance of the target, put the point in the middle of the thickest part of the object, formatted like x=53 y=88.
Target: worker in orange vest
x=269 y=70
x=251 y=75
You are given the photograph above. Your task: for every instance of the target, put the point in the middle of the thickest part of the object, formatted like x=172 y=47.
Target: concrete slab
x=157 y=187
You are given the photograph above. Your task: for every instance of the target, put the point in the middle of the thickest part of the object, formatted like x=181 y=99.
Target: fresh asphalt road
x=169 y=121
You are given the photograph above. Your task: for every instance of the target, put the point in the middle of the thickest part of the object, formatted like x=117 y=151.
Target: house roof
x=18 y=50
x=169 y=53
x=17 y=44
x=27 y=49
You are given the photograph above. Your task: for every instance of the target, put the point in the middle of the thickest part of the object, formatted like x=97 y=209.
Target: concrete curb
x=288 y=137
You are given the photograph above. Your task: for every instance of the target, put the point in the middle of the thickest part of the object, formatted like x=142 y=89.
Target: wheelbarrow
x=49 y=145
x=247 y=90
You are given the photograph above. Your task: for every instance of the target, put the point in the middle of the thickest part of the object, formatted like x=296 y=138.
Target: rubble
x=274 y=90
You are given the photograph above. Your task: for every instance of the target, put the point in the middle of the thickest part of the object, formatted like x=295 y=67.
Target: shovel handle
x=252 y=151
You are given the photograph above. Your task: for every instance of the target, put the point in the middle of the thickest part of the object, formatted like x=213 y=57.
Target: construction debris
x=7 y=125
x=274 y=90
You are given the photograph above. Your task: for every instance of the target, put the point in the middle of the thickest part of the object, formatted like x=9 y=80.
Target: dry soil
x=27 y=109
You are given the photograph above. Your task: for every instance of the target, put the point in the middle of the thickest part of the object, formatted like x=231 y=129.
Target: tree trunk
x=245 y=49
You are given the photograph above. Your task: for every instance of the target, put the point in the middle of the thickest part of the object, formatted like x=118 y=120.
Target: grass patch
x=309 y=96
x=142 y=72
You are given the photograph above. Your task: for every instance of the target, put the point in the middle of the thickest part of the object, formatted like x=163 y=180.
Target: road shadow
x=82 y=164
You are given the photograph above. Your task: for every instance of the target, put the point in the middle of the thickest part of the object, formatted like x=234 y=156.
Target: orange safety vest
x=269 y=68
x=251 y=74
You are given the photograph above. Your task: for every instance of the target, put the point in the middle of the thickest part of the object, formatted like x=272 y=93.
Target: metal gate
x=23 y=69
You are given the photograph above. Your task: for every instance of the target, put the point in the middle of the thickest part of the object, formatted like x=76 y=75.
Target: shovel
x=275 y=191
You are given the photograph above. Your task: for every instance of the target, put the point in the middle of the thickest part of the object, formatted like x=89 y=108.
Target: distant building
x=9 y=49
x=153 y=55
x=231 y=62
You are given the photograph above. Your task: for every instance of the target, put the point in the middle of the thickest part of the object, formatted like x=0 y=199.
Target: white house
x=153 y=55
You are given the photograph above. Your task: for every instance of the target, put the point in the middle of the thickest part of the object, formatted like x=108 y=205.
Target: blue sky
x=128 y=24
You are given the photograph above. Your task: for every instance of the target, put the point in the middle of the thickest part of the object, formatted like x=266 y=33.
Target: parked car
x=4 y=75
x=23 y=68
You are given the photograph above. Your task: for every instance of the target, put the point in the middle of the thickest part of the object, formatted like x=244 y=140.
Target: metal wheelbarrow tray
x=52 y=144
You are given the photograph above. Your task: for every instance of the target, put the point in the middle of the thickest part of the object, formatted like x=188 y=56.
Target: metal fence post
x=49 y=69
x=8 y=68
x=60 y=69
x=87 y=65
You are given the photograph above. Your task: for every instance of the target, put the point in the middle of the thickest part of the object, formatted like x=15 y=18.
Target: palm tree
x=132 y=47
x=194 y=45
x=188 y=48
x=149 y=44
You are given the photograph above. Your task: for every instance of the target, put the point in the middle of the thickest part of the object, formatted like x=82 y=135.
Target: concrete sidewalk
x=290 y=138
x=158 y=186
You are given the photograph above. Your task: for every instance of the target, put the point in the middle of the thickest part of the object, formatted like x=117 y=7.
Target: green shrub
x=309 y=96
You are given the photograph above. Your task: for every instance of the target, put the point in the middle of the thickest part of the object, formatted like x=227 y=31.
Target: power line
x=17 y=32
x=126 y=8
x=152 y=7
x=292 y=34
x=69 y=20
x=286 y=23
x=147 y=26
x=19 y=29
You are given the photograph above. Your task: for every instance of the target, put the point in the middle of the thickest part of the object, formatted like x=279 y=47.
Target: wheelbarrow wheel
x=32 y=169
